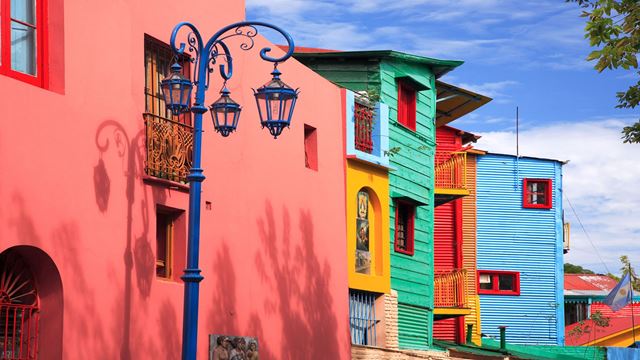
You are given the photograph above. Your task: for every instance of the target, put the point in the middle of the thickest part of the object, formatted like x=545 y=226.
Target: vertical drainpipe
x=559 y=278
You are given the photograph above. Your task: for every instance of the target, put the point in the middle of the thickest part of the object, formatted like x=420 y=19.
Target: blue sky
x=528 y=54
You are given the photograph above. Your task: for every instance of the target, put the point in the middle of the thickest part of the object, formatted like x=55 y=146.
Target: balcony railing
x=363 y=116
x=451 y=289
x=169 y=148
x=451 y=170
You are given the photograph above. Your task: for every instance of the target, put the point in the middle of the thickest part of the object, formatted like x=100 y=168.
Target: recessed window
x=22 y=40
x=406 y=104
x=310 y=147
x=169 y=241
x=404 y=237
x=537 y=193
x=498 y=282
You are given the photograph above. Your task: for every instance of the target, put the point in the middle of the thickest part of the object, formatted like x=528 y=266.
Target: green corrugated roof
x=439 y=67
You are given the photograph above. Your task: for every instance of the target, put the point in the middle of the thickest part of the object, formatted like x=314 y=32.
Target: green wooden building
x=407 y=84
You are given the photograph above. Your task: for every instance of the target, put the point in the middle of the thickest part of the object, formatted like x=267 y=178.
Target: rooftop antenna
x=517 y=179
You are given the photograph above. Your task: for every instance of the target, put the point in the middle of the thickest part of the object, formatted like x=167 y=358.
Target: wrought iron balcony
x=169 y=148
x=450 y=289
x=450 y=176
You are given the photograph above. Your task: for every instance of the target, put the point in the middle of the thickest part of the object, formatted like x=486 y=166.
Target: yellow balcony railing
x=450 y=289
x=451 y=170
x=169 y=148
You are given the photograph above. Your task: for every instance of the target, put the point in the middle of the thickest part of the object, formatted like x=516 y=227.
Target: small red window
x=498 y=282
x=407 y=105
x=536 y=193
x=404 y=239
x=22 y=45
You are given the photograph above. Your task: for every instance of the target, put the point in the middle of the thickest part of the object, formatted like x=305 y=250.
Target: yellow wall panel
x=469 y=254
x=375 y=180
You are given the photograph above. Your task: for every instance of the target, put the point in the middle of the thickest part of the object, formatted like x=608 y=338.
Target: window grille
x=363 y=127
x=362 y=318
x=18 y=331
x=158 y=58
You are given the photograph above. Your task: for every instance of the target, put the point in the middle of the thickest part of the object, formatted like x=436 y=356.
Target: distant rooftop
x=588 y=285
x=563 y=162
x=439 y=67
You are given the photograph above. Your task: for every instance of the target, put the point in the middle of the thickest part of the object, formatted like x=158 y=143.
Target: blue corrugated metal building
x=519 y=246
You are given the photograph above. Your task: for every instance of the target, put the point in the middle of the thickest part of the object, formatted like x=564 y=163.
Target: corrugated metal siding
x=444 y=237
x=413 y=327
x=447 y=139
x=446 y=329
x=412 y=276
x=517 y=239
x=469 y=248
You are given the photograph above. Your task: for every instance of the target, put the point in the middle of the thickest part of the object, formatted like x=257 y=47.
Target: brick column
x=391 y=320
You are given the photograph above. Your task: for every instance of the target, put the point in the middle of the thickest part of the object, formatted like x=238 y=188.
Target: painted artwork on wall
x=363 y=256
x=228 y=347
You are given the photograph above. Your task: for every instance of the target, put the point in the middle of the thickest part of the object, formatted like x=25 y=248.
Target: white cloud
x=601 y=181
x=494 y=90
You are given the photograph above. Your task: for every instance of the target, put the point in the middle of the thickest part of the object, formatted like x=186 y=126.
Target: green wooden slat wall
x=412 y=276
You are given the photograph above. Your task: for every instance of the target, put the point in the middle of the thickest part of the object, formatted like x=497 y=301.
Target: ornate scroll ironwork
x=247 y=30
x=169 y=148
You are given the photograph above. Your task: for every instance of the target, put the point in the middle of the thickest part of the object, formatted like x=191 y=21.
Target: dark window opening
x=310 y=147
x=404 y=237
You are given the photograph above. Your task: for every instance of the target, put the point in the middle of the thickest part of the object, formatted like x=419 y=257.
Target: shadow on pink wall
x=137 y=256
x=299 y=292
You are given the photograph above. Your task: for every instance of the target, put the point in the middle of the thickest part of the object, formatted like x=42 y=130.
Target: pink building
x=93 y=212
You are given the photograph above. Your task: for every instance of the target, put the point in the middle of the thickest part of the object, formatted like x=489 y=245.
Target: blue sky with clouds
x=528 y=54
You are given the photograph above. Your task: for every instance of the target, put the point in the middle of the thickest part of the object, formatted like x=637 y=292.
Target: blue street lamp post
x=275 y=101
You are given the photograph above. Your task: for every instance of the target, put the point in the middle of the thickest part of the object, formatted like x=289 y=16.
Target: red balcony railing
x=363 y=115
x=451 y=289
x=18 y=331
x=451 y=170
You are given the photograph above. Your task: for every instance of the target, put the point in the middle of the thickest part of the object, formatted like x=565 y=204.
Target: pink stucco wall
x=272 y=246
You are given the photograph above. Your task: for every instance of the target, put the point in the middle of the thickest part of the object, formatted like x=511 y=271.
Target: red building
x=448 y=237
x=93 y=203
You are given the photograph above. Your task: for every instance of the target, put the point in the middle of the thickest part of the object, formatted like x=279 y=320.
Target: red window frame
x=410 y=211
x=495 y=283
x=407 y=96
x=547 y=193
x=41 y=44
